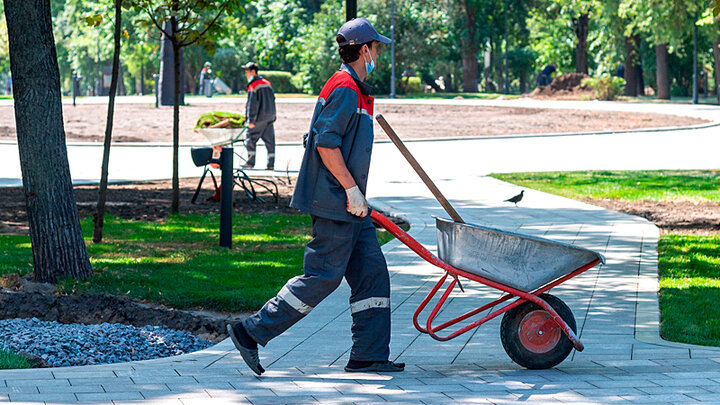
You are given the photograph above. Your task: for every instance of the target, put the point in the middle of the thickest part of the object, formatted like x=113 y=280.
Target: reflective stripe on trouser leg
x=325 y=261
x=369 y=282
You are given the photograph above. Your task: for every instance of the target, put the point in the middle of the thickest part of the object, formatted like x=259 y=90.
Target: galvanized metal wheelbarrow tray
x=504 y=261
x=538 y=330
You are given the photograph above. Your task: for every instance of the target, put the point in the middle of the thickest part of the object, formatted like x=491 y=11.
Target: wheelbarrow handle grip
x=418 y=169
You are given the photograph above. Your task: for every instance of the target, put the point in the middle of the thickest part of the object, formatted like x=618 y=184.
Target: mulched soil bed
x=565 y=87
x=700 y=218
x=144 y=123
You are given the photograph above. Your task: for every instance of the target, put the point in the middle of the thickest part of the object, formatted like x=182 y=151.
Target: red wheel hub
x=538 y=332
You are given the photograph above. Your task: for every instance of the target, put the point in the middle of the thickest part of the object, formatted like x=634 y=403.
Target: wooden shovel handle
x=418 y=169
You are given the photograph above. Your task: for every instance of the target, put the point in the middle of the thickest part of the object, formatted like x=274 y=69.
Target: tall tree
x=57 y=241
x=665 y=24
x=190 y=22
x=581 y=26
x=99 y=218
x=469 y=47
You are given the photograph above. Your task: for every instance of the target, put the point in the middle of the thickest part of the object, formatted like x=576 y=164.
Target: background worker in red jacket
x=260 y=115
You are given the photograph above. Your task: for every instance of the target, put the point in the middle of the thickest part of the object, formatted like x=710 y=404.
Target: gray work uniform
x=260 y=110
x=343 y=245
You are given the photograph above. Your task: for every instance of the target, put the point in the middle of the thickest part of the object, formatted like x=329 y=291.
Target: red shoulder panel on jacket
x=343 y=79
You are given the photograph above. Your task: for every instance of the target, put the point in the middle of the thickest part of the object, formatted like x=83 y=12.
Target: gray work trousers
x=338 y=249
x=263 y=130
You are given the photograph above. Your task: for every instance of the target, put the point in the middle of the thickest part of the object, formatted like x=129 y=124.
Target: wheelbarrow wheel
x=532 y=339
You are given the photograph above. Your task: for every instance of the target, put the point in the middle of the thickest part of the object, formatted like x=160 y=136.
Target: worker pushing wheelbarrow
x=538 y=330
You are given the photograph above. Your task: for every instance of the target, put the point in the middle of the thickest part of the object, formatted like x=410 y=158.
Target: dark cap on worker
x=251 y=66
x=359 y=31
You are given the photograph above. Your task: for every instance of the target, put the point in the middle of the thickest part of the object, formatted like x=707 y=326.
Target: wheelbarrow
x=538 y=330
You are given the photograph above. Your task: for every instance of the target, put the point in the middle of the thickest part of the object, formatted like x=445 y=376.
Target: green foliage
x=660 y=185
x=227 y=65
x=606 y=87
x=211 y=118
x=315 y=49
x=282 y=82
x=411 y=85
x=11 y=361
x=689 y=269
x=277 y=24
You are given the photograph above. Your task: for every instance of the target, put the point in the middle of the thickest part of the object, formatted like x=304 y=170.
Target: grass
x=10 y=360
x=178 y=262
x=689 y=265
x=690 y=288
x=699 y=185
x=6 y=97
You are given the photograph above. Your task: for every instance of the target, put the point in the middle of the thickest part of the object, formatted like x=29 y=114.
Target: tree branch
x=222 y=10
x=154 y=21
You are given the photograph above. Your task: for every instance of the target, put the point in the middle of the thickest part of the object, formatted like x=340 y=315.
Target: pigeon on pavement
x=517 y=198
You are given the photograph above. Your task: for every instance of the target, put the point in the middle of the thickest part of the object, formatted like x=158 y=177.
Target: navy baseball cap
x=359 y=31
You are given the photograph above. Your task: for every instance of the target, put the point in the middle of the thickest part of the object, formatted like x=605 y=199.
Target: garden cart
x=219 y=137
x=538 y=330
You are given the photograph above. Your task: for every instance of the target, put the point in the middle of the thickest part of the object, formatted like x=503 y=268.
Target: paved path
x=615 y=305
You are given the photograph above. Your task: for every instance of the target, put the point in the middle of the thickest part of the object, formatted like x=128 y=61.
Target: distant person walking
x=546 y=75
x=260 y=116
x=205 y=80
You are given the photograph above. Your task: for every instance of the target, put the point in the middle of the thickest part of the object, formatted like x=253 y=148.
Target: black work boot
x=387 y=366
x=246 y=345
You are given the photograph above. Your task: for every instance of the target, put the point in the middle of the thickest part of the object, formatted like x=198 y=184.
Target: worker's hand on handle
x=356 y=202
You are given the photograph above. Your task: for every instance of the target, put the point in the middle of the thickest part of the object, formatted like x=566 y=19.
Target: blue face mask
x=369 y=66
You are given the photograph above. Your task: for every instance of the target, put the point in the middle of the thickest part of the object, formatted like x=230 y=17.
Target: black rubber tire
x=509 y=334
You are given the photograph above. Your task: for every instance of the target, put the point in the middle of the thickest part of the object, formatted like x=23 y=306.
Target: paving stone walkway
x=615 y=307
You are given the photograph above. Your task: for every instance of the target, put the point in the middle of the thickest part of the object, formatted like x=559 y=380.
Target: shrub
x=411 y=85
x=282 y=82
x=606 y=87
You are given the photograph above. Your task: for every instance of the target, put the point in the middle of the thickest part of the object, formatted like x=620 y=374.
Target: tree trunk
x=57 y=241
x=469 y=52
x=716 y=52
x=102 y=192
x=631 y=74
x=662 y=71
x=175 y=207
x=581 y=31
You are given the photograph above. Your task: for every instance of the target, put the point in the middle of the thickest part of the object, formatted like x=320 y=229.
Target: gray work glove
x=356 y=203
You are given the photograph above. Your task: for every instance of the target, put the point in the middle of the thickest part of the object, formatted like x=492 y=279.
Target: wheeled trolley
x=538 y=330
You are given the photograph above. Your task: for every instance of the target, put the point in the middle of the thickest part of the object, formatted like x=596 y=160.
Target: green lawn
x=690 y=288
x=689 y=265
x=703 y=185
x=10 y=360
x=178 y=262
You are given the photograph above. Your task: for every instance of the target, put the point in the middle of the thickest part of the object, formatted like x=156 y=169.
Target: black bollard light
x=156 y=77
x=226 y=202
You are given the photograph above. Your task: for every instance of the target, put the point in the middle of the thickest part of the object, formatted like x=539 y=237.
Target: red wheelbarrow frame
x=418 y=248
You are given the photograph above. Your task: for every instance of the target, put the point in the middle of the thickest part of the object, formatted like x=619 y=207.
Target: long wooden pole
x=418 y=169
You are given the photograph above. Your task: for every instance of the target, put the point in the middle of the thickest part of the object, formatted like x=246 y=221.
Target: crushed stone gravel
x=61 y=345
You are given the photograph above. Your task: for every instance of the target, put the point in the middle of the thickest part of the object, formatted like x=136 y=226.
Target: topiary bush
x=606 y=87
x=282 y=82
